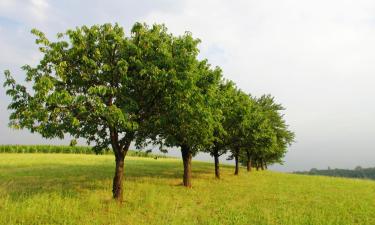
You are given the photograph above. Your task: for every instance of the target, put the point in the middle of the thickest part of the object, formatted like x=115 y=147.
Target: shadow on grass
x=74 y=180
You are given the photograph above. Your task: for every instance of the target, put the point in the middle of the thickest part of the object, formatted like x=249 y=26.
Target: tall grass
x=45 y=149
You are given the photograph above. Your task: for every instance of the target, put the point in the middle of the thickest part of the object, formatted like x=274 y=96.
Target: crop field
x=75 y=189
x=68 y=149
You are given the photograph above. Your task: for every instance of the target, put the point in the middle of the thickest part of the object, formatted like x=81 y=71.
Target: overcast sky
x=316 y=57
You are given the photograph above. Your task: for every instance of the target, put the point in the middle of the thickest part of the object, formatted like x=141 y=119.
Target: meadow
x=76 y=189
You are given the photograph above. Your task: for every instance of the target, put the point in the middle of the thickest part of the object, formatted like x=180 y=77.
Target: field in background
x=76 y=189
x=358 y=172
x=69 y=149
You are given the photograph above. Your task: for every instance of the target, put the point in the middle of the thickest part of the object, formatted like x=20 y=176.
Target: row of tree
x=146 y=88
x=357 y=172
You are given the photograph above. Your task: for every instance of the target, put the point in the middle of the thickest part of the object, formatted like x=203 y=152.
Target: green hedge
x=66 y=149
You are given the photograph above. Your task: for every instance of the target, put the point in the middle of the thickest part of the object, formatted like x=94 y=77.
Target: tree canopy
x=110 y=89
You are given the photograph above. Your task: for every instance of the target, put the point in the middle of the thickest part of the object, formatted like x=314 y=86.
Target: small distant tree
x=73 y=143
x=358 y=168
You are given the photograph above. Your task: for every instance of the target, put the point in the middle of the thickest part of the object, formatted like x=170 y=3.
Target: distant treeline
x=358 y=172
x=68 y=149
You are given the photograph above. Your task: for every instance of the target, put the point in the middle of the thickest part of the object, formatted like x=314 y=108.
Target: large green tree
x=98 y=84
x=225 y=96
x=239 y=121
x=189 y=113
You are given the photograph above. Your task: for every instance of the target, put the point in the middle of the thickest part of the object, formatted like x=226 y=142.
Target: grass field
x=76 y=189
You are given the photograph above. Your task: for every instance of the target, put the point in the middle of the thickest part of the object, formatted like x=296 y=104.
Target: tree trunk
x=248 y=162
x=236 y=160
x=117 y=180
x=265 y=166
x=120 y=153
x=186 y=158
x=262 y=165
x=249 y=165
x=217 y=169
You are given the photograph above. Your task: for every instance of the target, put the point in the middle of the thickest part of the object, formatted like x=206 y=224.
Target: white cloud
x=39 y=9
x=25 y=11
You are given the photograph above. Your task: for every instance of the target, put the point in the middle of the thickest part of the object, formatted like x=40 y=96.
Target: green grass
x=76 y=189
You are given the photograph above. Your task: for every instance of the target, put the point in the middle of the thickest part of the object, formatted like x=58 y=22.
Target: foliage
x=93 y=83
x=73 y=142
x=223 y=101
x=188 y=115
x=267 y=136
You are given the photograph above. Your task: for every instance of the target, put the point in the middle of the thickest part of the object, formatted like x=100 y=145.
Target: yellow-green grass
x=76 y=189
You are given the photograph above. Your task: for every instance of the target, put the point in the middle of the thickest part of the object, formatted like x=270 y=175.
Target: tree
x=358 y=168
x=189 y=115
x=258 y=136
x=221 y=140
x=73 y=143
x=238 y=121
x=95 y=83
x=276 y=136
x=222 y=137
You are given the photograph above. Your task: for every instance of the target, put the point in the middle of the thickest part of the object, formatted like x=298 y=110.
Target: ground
x=76 y=189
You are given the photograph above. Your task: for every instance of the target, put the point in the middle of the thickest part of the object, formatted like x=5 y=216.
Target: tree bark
x=186 y=158
x=236 y=161
x=262 y=165
x=249 y=165
x=117 y=188
x=217 y=168
x=248 y=162
x=120 y=151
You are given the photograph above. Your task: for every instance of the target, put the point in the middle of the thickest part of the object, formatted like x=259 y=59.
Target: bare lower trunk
x=265 y=166
x=236 y=160
x=186 y=158
x=248 y=162
x=120 y=153
x=217 y=169
x=117 y=180
x=120 y=148
x=248 y=165
x=262 y=165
